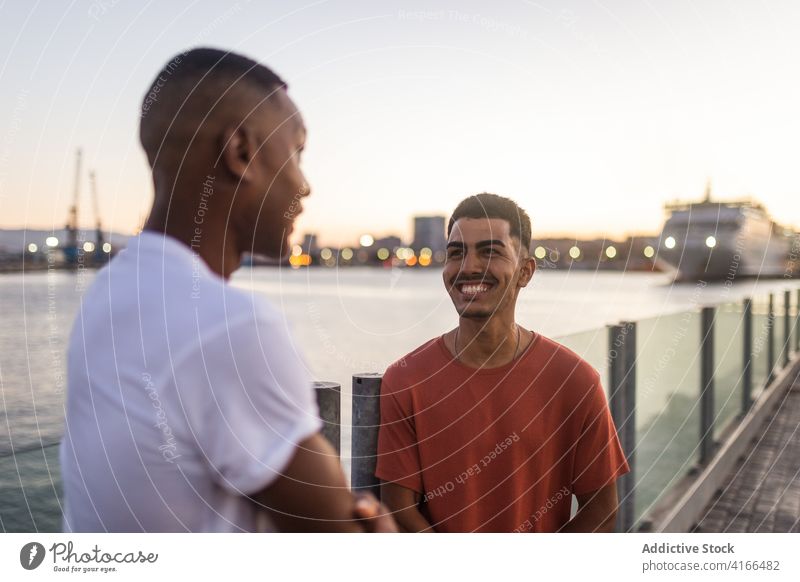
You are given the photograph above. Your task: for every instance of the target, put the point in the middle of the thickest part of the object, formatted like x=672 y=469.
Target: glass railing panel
x=667 y=403
x=761 y=331
x=778 y=331
x=592 y=346
x=728 y=364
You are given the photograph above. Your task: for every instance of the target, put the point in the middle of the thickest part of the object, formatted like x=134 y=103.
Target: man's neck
x=210 y=242
x=487 y=343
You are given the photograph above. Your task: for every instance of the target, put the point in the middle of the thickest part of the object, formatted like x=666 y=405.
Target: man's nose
x=472 y=264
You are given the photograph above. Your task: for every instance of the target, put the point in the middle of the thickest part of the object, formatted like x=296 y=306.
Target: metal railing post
x=707 y=385
x=770 y=340
x=747 y=356
x=622 y=402
x=797 y=324
x=329 y=401
x=787 y=328
x=366 y=421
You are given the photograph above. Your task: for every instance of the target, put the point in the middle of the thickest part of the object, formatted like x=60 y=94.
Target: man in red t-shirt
x=491 y=427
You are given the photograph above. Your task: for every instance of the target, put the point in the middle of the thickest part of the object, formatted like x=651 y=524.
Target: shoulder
x=249 y=351
x=236 y=326
x=415 y=364
x=562 y=362
x=237 y=310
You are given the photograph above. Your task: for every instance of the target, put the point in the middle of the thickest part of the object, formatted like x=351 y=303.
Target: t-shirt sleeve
x=258 y=403
x=398 y=451
x=599 y=459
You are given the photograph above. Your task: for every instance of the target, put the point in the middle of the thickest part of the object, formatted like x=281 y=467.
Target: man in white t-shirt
x=189 y=407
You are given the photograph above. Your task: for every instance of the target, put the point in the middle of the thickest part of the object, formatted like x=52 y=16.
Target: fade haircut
x=487 y=205
x=190 y=88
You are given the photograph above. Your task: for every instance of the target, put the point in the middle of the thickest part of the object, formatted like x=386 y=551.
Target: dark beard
x=476 y=314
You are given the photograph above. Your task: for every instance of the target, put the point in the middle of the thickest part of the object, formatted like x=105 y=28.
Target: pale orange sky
x=591 y=116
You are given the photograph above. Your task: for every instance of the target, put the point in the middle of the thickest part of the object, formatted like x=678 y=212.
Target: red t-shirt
x=497 y=449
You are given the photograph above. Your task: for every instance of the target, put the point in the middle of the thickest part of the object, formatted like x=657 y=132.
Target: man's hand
x=404 y=504
x=311 y=495
x=373 y=515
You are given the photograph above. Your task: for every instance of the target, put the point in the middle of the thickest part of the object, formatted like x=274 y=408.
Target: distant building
x=309 y=244
x=429 y=232
x=388 y=242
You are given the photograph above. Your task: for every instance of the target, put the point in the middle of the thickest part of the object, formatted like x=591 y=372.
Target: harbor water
x=344 y=321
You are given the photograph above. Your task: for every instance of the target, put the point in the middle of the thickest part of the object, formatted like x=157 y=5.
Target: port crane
x=73 y=248
x=100 y=253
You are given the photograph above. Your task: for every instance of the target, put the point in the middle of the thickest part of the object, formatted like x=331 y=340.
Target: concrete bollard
x=329 y=400
x=366 y=421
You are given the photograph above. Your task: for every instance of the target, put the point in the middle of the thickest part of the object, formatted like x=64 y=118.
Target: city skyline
x=13 y=240
x=591 y=117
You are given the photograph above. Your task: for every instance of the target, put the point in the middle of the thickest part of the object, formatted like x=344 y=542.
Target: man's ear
x=526 y=271
x=238 y=150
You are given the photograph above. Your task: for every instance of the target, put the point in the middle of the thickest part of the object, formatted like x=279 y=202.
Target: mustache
x=460 y=280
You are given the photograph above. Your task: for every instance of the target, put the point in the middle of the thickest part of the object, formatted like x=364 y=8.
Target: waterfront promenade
x=763 y=492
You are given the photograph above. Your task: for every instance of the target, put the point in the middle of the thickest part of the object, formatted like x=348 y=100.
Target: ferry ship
x=723 y=240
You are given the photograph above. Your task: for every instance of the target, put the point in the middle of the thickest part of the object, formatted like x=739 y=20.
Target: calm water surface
x=344 y=321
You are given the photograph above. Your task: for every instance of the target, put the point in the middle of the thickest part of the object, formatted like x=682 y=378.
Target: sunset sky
x=590 y=114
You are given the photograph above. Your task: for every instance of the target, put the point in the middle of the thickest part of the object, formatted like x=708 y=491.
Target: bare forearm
x=311 y=495
x=411 y=520
x=404 y=504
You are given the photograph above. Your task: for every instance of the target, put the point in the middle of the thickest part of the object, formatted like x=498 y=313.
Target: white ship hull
x=723 y=241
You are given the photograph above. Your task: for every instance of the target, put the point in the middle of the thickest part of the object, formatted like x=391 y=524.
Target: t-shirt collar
x=166 y=246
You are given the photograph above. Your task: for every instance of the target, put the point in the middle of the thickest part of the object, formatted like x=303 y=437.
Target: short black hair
x=486 y=205
x=191 y=83
x=203 y=61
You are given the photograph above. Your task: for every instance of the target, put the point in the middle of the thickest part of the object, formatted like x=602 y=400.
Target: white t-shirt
x=184 y=394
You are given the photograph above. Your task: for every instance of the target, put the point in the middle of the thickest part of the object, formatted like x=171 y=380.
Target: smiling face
x=485 y=269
